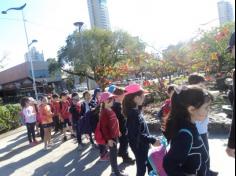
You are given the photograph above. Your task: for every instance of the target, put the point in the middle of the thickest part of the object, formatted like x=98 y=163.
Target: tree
x=210 y=47
x=98 y=54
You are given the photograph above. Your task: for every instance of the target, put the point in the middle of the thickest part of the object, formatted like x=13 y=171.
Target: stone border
x=215 y=128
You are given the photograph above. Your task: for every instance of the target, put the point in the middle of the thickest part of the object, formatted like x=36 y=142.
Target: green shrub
x=9 y=117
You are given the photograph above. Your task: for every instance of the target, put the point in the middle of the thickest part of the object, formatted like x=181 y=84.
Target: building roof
x=18 y=72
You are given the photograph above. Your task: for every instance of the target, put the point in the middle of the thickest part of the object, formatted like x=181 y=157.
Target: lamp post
x=79 y=25
x=32 y=69
x=21 y=8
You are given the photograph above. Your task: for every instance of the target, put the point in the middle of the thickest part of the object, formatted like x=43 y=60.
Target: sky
x=157 y=22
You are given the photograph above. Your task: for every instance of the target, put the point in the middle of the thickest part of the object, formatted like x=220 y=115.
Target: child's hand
x=111 y=143
x=230 y=152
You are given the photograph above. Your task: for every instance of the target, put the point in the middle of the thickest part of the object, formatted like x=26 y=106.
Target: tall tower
x=225 y=11
x=34 y=54
x=98 y=13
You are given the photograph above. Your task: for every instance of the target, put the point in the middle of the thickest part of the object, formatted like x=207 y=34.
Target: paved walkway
x=17 y=158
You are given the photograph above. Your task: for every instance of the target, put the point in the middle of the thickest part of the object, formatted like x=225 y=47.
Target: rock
x=219 y=123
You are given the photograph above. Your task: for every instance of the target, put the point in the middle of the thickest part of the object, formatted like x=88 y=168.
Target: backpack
x=156 y=156
x=99 y=136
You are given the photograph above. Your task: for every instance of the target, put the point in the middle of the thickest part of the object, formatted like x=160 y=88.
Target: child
x=33 y=103
x=96 y=97
x=188 y=154
x=165 y=109
x=30 y=119
x=46 y=116
x=85 y=114
x=65 y=115
x=75 y=112
x=95 y=109
x=138 y=132
x=123 y=139
x=55 y=107
x=202 y=126
x=110 y=129
x=75 y=102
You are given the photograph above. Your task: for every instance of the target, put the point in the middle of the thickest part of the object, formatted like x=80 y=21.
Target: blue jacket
x=122 y=120
x=138 y=132
x=188 y=154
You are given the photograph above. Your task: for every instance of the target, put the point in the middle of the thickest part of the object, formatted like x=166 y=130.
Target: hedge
x=9 y=117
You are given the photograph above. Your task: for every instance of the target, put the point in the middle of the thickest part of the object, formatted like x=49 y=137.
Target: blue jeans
x=141 y=156
x=79 y=133
x=124 y=145
x=31 y=131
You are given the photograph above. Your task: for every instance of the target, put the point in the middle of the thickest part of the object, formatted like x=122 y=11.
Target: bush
x=9 y=117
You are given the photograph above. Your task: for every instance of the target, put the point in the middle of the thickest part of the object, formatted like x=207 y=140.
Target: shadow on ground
x=12 y=149
x=12 y=167
x=72 y=165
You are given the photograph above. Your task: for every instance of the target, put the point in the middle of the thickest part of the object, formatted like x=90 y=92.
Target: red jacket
x=166 y=107
x=109 y=125
x=55 y=106
x=65 y=113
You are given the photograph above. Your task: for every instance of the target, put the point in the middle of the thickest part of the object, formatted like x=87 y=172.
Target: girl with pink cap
x=138 y=132
x=110 y=130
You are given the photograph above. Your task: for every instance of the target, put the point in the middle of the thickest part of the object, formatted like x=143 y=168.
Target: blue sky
x=158 y=22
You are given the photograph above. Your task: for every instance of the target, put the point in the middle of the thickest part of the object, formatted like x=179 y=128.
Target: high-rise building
x=34 y=54
x=98 y=13
x=225 y=11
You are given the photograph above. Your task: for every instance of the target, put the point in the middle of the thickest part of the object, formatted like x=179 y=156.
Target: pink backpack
x=156 y=156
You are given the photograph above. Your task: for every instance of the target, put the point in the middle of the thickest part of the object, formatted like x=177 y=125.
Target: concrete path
x=17 y=158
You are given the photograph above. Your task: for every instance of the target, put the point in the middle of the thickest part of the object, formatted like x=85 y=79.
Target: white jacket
x=29 y=115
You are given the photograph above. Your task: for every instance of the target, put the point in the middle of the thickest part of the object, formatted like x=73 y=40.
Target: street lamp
x=79 y=25
x=33 y=41
x=21 y=8
x=32 y=69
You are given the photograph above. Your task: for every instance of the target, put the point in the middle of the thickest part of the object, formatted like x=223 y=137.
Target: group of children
x=116 y=117
x=63 y=113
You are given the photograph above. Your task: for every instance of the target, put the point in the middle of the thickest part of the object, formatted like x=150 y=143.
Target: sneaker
x=128 y=161
x=36 y=142
x=33 y=143
x=212 y=173
x=50 y=144
x=45 y=148
x=120 y=155
x=65 y=139
x=105 y=158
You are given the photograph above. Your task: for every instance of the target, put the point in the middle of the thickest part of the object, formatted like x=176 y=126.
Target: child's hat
x=134 y=88
x=106 y=96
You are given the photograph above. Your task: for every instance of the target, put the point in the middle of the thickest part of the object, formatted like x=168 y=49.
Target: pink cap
x=134 y=88
x=106 y=96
